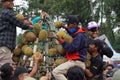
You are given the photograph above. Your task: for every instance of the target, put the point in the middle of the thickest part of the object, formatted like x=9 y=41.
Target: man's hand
x=59 y=39
x=31 y=26
x=38 y=58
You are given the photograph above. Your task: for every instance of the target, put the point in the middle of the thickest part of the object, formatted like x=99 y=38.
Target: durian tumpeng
x=58 y=24
x=37 y=27
x=20 y=17
x=42 y=35
x=28 y=51
x=52 y=52
x=61 y=34
x=30 y=36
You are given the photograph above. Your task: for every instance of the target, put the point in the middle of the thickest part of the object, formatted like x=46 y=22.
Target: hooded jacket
x=78 y=48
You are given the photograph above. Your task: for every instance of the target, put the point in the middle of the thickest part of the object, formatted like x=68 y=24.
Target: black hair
x=111 y=65
x=98 y=43
x=20 y=70
x=75 y=73
x=6 y=71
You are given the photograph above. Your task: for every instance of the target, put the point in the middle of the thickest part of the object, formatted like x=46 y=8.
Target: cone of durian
x=60 y=49
x=52 y=52
x=68 y=39
x=60 y=61
x=30 y=36
x=28 y=51
x=17 y=51
x=58 y=24
x=20 y=17
x=42 y=35
x=15 y=58
x=61 y=34
x=37 y=27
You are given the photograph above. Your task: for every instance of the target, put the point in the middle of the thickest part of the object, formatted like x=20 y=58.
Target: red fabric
x=72 y=56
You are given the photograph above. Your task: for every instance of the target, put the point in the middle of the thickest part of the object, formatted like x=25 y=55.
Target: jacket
x=78 y=48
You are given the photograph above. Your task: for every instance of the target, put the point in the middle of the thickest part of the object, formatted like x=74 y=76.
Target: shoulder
x=6 y=12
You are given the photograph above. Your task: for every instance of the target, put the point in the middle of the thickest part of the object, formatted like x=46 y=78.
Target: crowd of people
x=77 y=51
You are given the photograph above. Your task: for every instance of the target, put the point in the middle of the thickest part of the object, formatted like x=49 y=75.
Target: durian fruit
x=58 y=24
x=15 y=58
x=20 y=17
x=60 y=49
x=30 y=36
x=28 y=51
x=17 y=51
x=68 y=39
x=61 y=34
x=60 y=61
x=36 y=54
x=37 y=27
x=52 y=52
x=24 y=47
x=24 y=41
x=42 y=35
x=87 y=62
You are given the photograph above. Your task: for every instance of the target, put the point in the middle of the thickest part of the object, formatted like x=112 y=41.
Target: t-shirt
x=96 y=66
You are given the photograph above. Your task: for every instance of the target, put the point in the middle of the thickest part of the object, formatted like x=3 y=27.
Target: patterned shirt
x=8 y=23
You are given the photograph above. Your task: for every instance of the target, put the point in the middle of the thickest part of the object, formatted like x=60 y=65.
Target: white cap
x=92 y=24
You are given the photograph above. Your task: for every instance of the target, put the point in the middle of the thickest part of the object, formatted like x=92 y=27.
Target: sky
x=23 y=3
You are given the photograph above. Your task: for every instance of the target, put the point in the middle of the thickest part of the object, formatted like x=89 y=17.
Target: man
x=93 y=30
x=78 y=73
x=21 y=73
x=94 y=72
x=75 y=51
x=8 y=23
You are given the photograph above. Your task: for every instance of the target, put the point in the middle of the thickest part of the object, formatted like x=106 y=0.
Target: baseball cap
x=92 y=24
x=72 y=19
x=20 y=70
x=6 y=0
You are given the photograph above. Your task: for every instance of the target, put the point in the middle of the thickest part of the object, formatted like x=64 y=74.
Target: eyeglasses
x=93 y=29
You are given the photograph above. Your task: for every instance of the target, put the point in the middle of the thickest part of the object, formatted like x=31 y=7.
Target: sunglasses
x=93 y=29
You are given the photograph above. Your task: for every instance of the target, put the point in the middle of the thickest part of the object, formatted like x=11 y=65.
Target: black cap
x=20 y=70
x=72 y=19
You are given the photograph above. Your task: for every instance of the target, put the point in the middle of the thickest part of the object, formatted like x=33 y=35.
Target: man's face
x=93 y=33
x=92 y=48
x=8 y=4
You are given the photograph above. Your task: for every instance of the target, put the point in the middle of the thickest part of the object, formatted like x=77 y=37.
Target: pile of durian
x=53 y=53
